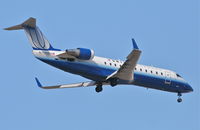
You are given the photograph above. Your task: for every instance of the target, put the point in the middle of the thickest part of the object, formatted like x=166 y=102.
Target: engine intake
x=81 y=53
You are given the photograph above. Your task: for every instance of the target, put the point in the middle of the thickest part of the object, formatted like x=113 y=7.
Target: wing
x=75 y=85
x=125 y=72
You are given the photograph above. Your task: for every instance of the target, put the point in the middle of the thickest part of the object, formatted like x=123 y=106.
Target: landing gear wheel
x=179 y=100
x=99 y=88
x=113 y=82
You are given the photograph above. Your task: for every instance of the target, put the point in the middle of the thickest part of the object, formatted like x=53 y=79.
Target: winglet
x=38 y=82
x=134 y=44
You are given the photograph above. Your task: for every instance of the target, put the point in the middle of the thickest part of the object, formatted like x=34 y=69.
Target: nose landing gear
x=179 y=98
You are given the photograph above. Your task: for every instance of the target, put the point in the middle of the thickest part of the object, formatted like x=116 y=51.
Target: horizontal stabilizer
x=31 y=22
x=16 y=27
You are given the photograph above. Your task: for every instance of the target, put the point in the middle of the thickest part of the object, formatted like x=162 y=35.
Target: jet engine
x=81 y=53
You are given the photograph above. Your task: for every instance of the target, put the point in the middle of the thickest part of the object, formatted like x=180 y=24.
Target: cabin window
x=140 y=69
x=105 y=63
x=156 y=72
x=145 y=70
x=151 y=71
x=115 y=65
x=161 y=73
x=135 y=68
x=110 y=64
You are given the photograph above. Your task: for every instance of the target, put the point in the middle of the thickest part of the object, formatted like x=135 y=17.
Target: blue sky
x=166 y=31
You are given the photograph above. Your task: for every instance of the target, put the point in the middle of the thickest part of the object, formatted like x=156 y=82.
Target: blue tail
x=36 y=38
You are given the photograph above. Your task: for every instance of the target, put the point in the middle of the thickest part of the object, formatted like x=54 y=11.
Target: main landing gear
x=99 y=87
x=114 y=82
x=179 y=98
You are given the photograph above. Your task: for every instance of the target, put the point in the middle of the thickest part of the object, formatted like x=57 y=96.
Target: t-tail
x=36 y=38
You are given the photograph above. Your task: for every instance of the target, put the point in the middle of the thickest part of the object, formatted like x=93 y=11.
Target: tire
x=99 y=88
x=113 y=82
x=179 y=100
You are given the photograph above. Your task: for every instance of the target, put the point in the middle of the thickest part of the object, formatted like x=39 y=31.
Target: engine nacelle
x=81 y=53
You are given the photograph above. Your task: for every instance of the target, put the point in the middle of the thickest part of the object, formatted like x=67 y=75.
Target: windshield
x=178 y=75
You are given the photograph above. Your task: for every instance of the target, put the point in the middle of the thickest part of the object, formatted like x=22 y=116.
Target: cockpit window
x=178 y=75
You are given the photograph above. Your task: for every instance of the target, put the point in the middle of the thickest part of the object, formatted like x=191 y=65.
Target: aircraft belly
x=155 y=82
x=87 y=70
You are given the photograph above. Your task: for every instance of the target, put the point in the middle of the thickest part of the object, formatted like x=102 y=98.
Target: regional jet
x=101 y=71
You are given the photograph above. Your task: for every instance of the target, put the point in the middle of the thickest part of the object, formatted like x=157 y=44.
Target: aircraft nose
x=189 y=88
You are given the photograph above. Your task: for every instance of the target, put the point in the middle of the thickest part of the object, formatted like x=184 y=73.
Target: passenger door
x=167 y=77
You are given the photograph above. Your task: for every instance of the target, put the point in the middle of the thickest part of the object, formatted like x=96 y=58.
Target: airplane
x=101 y=71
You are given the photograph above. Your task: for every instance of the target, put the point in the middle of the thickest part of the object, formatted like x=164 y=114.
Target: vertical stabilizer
x=37 y=39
